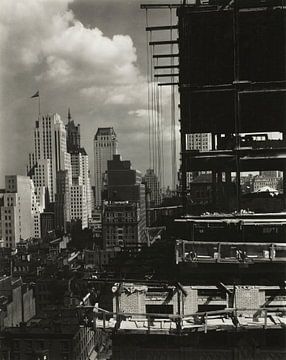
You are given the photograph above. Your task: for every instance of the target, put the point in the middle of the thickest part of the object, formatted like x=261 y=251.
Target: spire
x=69 y=114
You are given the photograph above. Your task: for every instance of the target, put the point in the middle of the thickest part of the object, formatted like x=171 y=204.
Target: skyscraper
x=73 y=134
x=153 y=186
x=80 y=192
x=105 y=146
x=50 y=154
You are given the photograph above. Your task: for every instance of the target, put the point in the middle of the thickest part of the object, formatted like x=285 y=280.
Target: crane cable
x=148 y=90
x=162 y=139
x=173 y=121
x=154 y=115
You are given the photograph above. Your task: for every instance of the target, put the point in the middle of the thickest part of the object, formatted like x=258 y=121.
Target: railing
x=180 y=324
x=229 y=252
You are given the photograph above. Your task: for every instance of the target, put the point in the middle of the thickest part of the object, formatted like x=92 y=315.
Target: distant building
x=201 y=142
x=73 y=134
x=47 y=224
x=105 y=146
x=80 y=192
x=153 y=187
x=124 y=209
x=271 y=173
x=50 y=154
x=78 y=204
x=98 y=259
x=62 y=203
x=20 y=216
x=122 y=225
x=260 y=182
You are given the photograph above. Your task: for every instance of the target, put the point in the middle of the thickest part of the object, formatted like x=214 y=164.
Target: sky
x=89 y=55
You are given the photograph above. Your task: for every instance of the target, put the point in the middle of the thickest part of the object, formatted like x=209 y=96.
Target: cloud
x=46 y=36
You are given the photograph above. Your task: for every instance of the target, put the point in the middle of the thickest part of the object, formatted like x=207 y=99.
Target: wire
x=148 y=87
x=173 y=120
x=162 y=138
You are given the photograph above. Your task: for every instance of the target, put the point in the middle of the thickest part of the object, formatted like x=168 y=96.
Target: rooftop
x=104 y=131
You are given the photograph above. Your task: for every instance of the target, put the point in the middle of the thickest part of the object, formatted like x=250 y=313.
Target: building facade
x=20 y=213
x=50 y=153
x=105 y=146
x=124 y=208
x=201 y=142
x=153 y=186
x=17 y=302
x=80 y=192
x=260 y=182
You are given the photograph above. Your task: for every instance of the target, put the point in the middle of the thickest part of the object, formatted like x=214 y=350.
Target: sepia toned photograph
x=142 y=179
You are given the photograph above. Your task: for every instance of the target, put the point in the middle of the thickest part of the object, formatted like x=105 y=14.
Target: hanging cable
x=173 y=120
x=148 y=89
x=162 y=138
x=154 y=122
x=158 y=136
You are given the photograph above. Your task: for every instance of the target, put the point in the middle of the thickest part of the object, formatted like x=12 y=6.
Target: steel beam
x=165 y=75
x=166 y=42
x=164 y=27
x=158 y=56
x=160 y=6
x=168 y=84
x=166 y=67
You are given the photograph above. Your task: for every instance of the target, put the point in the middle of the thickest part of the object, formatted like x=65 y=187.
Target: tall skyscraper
x=73 y=134
x=153 y=187
x=20 y=215
x=50 y=154
x=124 y=209
x=105 y=146
x=80 y=192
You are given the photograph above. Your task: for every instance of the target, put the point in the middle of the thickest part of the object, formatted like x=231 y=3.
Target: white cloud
x=45 y=35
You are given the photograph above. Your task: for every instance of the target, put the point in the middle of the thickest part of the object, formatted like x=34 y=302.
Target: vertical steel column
x=237 y=97
x=182 y=122
x=214 y=180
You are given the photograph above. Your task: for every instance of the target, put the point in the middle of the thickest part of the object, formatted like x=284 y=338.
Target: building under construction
x=228 y=300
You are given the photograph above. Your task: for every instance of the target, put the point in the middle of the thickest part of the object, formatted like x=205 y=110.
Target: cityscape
x=157 y=236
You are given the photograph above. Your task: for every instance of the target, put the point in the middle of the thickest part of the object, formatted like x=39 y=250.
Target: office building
x=201 y=142
x=153 y=187
x=50 y=153
x=264 y=182
x=80 y=192
x=20 y=215
x=63 y=202
x=73 y=134
x=105 y=146
x=124 y=208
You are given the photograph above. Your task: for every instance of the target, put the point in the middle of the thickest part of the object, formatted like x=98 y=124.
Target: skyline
x=84 y=55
